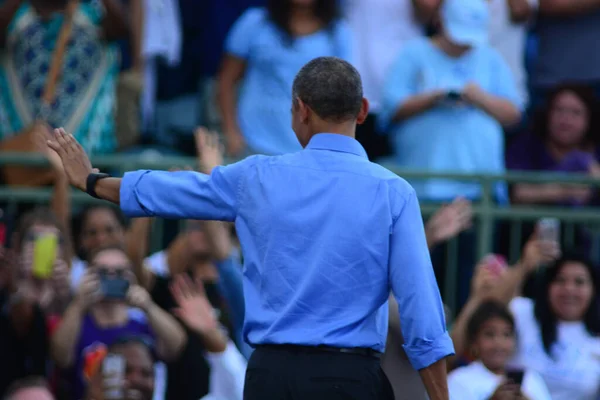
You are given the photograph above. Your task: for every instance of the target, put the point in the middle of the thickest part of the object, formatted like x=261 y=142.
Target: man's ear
x=363 y=113
x=302 y=109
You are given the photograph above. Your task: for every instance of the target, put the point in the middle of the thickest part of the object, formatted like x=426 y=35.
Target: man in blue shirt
x=326 y=235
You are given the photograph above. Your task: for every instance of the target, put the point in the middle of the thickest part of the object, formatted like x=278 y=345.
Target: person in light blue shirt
x=326 y=236
x=446 y=101
x=265 y=49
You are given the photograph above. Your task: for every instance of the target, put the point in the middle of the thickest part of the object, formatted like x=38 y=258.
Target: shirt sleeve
x=414 y=286
x=503 y=81
x=184 y=194
x=244 y=30
x=227 y=373
x=400 y=83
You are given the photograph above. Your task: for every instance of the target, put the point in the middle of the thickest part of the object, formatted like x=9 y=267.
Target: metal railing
x=486 y=211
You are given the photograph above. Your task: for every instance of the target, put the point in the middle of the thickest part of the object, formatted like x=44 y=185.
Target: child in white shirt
x=491 y=336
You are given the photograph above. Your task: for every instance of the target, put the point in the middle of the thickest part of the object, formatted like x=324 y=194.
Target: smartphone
x=114 y=287
x=515 y=376
x=496 y=263
x=44 y=255
x=453 y=96
x=549 y=230
x=113 y=372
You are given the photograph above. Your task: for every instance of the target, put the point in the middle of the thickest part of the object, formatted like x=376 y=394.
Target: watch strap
x=90 y=184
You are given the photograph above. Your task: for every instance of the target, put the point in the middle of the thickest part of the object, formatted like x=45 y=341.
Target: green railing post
x=486 y=219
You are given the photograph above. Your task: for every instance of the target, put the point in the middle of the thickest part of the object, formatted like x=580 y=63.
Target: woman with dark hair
x=491 y=338
x=97 y=226
x=564 y=138
x=265 y=49
x=558 y=332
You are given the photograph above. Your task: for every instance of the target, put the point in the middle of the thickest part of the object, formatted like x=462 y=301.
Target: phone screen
x=114 y=287
x=44 y=256
x=549 y=229
x=113 y=372
x=516 y=376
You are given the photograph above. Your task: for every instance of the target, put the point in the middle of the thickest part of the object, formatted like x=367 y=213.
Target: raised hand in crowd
x=486 y=275
x=139 y=297
x=449 y=221
x=208 y=149
x=538 y=252
x=89 y=291
x=196 y=312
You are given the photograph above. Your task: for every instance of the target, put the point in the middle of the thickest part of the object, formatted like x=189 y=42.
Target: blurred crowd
x=466 y=86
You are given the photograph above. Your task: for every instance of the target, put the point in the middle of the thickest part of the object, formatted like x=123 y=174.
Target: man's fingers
x=54 y=146
x=73 y=143
x=61 y=140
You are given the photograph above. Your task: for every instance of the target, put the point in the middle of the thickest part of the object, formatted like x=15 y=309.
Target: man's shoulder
x=393 y=180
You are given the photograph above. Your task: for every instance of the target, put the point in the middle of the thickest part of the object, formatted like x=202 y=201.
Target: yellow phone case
x=44 y=255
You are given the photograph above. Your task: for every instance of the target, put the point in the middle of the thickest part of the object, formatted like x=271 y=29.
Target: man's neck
x=345 y=129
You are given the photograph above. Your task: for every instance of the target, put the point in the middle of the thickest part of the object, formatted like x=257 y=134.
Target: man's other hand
x=75 y=161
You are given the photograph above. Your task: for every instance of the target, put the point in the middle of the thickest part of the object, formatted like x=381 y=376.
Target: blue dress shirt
x=326 y=235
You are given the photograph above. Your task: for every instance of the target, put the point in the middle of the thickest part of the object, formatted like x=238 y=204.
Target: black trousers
x=284 y=373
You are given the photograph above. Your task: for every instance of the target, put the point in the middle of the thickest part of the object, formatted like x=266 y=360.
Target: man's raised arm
x=182 y=195
x=426 y=340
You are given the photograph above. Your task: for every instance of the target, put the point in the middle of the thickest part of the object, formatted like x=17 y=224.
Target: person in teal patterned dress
x=85 y=94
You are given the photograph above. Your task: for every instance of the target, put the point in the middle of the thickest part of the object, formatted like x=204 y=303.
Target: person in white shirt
x=559 y=331
x=491 y=338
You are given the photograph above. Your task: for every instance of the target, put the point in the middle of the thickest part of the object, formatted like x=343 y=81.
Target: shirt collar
x=336 y=142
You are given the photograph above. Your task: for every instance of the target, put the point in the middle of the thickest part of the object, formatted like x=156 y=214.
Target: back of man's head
x=331 y=87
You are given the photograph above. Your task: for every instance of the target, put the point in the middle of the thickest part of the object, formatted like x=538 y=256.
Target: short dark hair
x=486 y=311
x=331 y=87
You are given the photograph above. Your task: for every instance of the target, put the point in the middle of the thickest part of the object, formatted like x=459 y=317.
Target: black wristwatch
x=90 y=183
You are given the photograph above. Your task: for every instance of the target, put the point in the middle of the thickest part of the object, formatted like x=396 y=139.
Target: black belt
x=362 y=351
